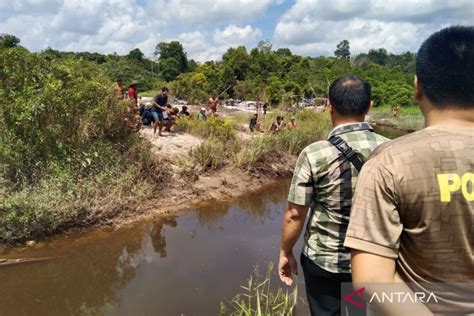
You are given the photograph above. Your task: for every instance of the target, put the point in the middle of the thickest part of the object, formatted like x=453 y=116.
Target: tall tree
x=169 y=68
x=343 y=50
x=283 y=52
x=265 y=46
x=378 y=56
x=8 y=41
x=174 y=50
x=238 y=60
x=136 y=54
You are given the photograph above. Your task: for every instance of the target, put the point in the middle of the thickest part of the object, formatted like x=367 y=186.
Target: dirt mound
x=171 y=145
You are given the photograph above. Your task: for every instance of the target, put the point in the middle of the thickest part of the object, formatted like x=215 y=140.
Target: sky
x=208 y=28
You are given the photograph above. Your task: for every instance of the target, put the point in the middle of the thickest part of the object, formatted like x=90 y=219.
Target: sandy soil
x=171 y=145
x=189 y=186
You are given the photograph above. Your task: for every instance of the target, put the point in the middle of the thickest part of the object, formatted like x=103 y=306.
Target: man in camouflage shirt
x=324 y=181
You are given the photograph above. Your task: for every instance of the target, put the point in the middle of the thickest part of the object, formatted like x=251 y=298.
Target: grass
x=222 y=145
x=312 y=126
x=258 y=298
x=70 y=197
x=409 y=118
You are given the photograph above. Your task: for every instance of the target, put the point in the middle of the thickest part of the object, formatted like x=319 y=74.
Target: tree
x=136 y=54
x=378 y=56
x=169 y=68
x=192 y=65
x=283 y=52
x=238 y=60
x=8 y=41
x=174 y=50
x=265 y=46
x=343 y=50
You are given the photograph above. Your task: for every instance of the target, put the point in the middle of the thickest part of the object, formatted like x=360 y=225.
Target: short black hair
x=445 y=67
x=350 y=95
x=165 y=89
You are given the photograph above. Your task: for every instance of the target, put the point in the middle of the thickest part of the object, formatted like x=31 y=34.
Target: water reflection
x=209 y=251
x=158 y=239
x=80 y=280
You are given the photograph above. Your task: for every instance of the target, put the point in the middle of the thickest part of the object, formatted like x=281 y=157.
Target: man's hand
x=293 y=223
x=287 y=267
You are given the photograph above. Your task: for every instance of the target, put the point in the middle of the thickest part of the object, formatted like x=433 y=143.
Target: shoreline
x=189 y=188
x=197 y=197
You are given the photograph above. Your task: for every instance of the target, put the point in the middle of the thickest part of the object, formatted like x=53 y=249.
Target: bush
x=214 y=127
x=53 y=110
x=210 y=154
x=254 y=151
x=66 y=158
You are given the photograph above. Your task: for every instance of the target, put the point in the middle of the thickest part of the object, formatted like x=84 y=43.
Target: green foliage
x=343 y=50
x=312 y=126
x=169 y=68
x=254 y=151
x=216 y=128
x=172 y=59
x=259 y=298
x=210 y=154
x=66 y=158
x=8 y=41
x=136 y=55
x=238 y=61
x=220 y=140
x=52 y=110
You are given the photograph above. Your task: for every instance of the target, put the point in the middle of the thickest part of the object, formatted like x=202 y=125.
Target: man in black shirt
x=159 y=105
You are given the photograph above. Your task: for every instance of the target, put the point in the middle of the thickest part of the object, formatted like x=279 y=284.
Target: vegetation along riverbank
x=67 y=161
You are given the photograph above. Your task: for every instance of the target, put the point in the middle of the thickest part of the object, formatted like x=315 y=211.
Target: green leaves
x=51 y=109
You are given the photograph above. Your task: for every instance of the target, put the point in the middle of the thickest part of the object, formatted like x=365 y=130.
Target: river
x=179 y=265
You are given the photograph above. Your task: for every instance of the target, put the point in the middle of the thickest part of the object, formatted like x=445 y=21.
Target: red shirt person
x=132 y=94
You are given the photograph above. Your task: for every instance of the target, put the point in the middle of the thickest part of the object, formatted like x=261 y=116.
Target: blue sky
x=208 y=28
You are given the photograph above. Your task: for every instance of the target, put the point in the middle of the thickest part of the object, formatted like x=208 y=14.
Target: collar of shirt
x=350 y=127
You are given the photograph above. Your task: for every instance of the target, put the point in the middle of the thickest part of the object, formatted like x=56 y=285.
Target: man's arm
x=368 y=267
x=377 y=274
x=157 y=105
x=293 y=223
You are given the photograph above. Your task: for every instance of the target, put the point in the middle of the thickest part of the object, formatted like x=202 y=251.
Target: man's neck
x=347 y=120
x=448 y=117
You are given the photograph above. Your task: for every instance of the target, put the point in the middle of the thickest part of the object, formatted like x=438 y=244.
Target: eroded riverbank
x=172 y=265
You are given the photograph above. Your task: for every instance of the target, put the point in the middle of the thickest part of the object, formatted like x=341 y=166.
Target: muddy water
x=179 y=265
x=388 y=131
x=182 y=265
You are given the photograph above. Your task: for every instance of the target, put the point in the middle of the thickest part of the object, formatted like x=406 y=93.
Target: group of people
x=401 y=220
x=276 y=126
x=157 y=113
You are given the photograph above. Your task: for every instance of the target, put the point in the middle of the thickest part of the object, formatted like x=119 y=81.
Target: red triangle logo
x=349 y=297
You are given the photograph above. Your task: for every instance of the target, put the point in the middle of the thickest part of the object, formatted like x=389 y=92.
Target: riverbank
x=198 y=162
x=408 y=119
x=213 y=160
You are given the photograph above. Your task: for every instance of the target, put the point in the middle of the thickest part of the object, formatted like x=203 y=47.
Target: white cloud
x=208 y=28
x=201 y=46
x=315 y=27
x=234 y=35
x=205 y=12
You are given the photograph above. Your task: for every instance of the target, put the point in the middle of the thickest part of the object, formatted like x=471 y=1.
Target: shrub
x=254 y=151
x=214 y=127
x=53 y=110
x=210 y=154
x=66 y=158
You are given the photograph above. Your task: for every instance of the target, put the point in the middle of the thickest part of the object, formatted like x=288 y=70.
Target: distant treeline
x=272 y=75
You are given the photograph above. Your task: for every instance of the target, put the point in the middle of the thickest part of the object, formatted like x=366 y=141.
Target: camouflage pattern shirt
x=324 y=180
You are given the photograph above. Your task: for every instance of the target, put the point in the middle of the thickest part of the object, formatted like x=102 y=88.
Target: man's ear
x=330 y=108
x=370 y=106
x=418 y=89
